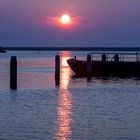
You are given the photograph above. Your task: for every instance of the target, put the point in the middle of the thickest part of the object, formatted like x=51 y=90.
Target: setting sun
x=65 y=19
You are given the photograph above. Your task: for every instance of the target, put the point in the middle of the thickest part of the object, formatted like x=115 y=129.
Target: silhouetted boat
x=109 y=65
x=2 y=50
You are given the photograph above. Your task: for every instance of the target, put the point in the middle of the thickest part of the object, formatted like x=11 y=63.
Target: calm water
x=103 y=109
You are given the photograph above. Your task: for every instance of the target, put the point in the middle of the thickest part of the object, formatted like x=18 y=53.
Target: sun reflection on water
x=64 y=102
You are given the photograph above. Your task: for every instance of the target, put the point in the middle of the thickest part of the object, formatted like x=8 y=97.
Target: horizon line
x=71 y=48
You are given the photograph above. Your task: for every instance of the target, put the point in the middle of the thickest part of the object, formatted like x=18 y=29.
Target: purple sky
x=98 y=23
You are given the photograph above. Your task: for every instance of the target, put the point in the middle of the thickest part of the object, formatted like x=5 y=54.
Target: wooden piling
x=13 y=73
x=137 y=56
x=57 y=70
x=89 y=65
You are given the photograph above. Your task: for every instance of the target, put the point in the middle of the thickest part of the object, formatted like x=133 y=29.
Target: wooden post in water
x=57 y=70
x=89 y=65
x=13 y=73
x=137 y=56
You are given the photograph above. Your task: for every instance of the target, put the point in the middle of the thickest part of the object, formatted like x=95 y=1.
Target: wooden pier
x=13 y=62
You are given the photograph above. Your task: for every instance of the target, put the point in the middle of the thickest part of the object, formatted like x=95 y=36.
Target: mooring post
x=13 y=73
x=137 y=56
x=89 y=65
x=57 y=70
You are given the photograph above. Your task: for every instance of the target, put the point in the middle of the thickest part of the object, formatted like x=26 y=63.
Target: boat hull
x=105 y=68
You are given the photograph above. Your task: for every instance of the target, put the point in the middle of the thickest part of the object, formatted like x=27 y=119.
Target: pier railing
x=109 y=56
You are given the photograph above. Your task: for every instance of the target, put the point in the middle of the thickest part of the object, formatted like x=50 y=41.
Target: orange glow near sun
x=65 y=19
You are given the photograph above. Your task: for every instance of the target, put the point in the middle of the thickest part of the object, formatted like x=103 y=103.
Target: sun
x=65 y=19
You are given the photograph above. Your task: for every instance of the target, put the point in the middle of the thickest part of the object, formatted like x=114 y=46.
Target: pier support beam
x=89 y=65
x=13 y=73
x=57 y=70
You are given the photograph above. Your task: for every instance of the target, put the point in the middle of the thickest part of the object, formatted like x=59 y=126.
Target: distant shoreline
x=134 y=49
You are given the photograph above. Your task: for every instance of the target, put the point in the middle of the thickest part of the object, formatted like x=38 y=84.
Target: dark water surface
x=103 y=109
